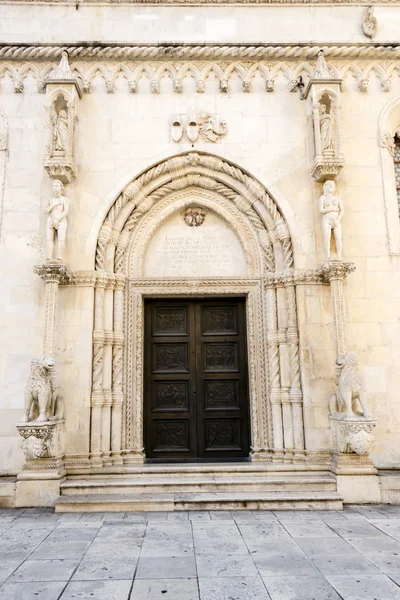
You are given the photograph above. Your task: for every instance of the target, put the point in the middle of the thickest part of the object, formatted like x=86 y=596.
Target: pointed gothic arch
x=247 y=208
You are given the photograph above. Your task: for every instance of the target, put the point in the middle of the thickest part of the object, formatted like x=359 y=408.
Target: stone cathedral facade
x=200 y=254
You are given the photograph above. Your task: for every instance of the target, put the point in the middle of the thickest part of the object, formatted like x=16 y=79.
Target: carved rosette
x=42 y=440
x=352 y=435
x=63 y=92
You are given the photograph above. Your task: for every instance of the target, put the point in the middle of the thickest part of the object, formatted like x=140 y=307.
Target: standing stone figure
x=326 y=129
x=331 y=209
x=57 y=212
x=60 y=131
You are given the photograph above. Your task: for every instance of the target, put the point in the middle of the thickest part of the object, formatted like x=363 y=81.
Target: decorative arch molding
x=389 y=126
x=276 y=414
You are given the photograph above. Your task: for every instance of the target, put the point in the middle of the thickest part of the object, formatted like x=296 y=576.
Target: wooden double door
x=196 y=392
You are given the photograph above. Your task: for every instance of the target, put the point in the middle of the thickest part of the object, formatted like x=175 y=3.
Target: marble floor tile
x=342 y=564
x=172 y=567
x=284 y=563
x=223 y=545
x=105 y=568
x=313 y=529
x=225 y=566
x=375 y=545
x=43 y=590
x=315 y=547
x=232 y=588
x=166 y=589
x=60 y=550
x=7 y=567
x=387 y=562
x=352 y=529
x=366 y=587
x=124 y=549
x=97 y=590
x=267 y=545
x=300 y=588
x=182 y=546
x=44 y=570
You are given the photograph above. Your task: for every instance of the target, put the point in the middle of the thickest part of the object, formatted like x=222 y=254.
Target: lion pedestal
x=42 y=429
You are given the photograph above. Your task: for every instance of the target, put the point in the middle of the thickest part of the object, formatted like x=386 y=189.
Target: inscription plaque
x=180 y=251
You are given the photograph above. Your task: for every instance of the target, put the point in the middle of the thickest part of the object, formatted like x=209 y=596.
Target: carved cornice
x=335 y=269
x=54 y=272
x=294 y=277
x=98 y=52
x=205 y=2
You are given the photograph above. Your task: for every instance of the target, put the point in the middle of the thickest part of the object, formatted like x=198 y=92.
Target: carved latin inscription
x=180 y=251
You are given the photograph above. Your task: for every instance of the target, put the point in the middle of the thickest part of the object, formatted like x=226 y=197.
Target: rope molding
x=198 y=52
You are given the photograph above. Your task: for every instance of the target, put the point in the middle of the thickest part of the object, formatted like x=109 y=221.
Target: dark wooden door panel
x=196 y=398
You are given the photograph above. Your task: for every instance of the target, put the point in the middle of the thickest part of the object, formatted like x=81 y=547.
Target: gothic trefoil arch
x=276 y=412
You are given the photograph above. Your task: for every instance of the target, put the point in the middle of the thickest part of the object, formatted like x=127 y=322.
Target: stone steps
x=193 y=483
x=199 y=501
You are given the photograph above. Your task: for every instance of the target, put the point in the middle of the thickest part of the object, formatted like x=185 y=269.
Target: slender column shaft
x=97 y=399
x=273 y=352
x=117 y=367
x=338 y=305
x=295 y=394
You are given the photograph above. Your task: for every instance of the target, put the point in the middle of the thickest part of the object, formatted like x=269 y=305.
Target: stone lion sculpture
x=40 y=399
x=349 y=387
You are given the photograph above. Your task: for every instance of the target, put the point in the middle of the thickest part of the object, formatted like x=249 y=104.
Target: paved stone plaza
x=353 y=555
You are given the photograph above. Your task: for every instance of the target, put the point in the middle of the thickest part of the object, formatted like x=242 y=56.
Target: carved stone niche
x=323 y=107
x=63 y=92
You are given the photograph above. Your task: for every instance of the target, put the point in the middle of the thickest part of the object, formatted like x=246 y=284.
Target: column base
x=357 y=479
x=40 y=486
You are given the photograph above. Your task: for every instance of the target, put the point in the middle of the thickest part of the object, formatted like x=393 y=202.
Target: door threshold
x=165 y=461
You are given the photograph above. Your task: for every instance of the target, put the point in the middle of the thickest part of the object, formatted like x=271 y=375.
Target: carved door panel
x=196 y=402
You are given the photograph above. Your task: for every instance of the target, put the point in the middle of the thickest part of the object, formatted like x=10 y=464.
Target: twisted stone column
x=336 y=271
x=274 y=375
x=295 y=393
x=97 y=398
x=117 y=369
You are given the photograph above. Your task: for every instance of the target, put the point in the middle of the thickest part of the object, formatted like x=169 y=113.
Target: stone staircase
x=228 y=486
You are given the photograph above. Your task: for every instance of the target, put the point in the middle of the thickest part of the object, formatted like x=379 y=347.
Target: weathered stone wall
x=121 y=134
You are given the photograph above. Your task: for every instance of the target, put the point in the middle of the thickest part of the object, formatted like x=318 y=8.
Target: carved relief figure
x=60 y=131
x=39 y=393
x=57 y=212
x=326 y=129
x=349 y=387
x=212 y=130
x=331 y=209
x=370 y=23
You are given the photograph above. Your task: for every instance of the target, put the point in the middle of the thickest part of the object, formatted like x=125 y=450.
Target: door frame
x=137 y=290
x=196 y=414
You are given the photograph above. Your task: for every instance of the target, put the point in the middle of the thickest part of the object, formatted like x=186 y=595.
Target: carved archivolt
x=120 y=289
x=270 y=64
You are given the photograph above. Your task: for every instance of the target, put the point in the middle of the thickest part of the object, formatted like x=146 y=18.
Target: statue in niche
x=60 y=131
x=326 y=129
x=57 y=212
x=331 y=209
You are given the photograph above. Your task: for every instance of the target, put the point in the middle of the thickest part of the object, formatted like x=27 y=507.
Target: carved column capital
x=335 y=269
x=54 y=272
